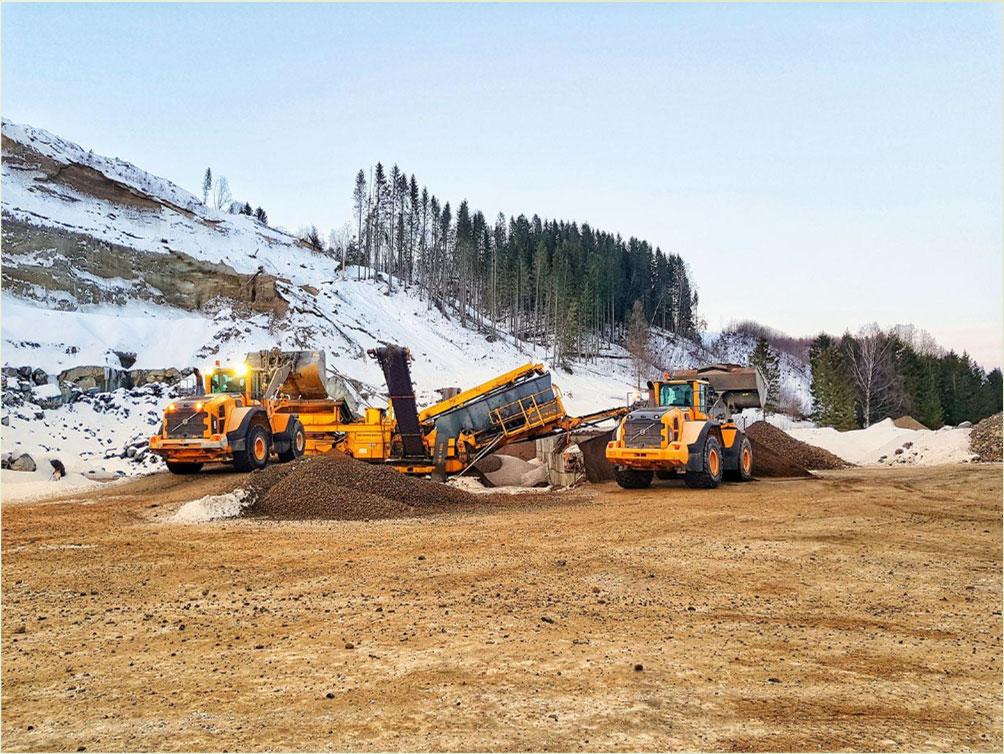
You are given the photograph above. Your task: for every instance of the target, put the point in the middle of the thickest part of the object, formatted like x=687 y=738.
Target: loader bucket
x=307 y=377
x=739 y=387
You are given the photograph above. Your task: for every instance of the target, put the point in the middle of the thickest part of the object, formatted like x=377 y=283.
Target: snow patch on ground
x=33 y=486
x=212 y=508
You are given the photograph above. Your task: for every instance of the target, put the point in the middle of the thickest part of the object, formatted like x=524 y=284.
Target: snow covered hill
x=106 y=265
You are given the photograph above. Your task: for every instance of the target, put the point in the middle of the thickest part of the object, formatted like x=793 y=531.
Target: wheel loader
x=245 y=415
x=686 y=429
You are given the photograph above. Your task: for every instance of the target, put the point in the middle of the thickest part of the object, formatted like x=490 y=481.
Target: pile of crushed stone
x=775 y=446
x=335 y=486
x=985 y=439
x=908 y=422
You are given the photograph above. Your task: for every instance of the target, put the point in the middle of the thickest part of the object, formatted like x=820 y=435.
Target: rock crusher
x=687 y=429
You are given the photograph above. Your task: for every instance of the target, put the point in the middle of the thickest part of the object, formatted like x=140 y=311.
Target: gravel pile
x=985 y=439
x=770 y=442
x=335 y=486
x=908 y=422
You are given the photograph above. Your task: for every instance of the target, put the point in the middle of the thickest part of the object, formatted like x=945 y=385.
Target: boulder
x=24 y=373
x=169 y=376
x=5 y=460
x=93 y=375
x=39 y=377
x=23 y=462
x=537 y=476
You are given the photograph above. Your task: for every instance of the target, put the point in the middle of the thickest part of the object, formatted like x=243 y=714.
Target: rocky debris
x=985 y=439
x=908 y=422
x=594 y=457
x=768 y=462
x=23 y=462
x=766 y=436
x=337 y=487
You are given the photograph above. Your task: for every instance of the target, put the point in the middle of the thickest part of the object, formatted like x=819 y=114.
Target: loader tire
x=296 y=446
x=710 y=475
x=745 y=471
x=257 y=446
x=180 y=467
x=633 y=479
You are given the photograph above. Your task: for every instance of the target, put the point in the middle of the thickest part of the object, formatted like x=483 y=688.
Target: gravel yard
x=860 y=610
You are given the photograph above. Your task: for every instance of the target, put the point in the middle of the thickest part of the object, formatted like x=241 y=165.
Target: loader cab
x=685 y=394
x=230 y=380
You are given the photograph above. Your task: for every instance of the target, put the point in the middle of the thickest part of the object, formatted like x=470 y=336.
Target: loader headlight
x=171 y=407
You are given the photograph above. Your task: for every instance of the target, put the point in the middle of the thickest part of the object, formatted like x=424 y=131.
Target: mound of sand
x=908 y=422
x=798 y=454
x=985 y=439
x=885 y=444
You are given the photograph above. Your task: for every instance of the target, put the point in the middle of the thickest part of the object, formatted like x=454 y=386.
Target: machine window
x=227 y=383
x=676 y=395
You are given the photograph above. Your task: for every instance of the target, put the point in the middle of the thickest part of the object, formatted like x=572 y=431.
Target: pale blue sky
x=819 y=166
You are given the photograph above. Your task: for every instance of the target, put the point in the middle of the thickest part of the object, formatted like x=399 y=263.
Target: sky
x=819 y=167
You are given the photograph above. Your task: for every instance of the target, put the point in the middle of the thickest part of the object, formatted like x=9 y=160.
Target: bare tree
x=221 y=193
x=871 y=360
x=637 y=342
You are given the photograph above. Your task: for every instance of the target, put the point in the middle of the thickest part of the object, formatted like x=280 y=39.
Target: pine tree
x=246 y=209
x=261 y=216
x=765 y=359
x=207 y=185
x=832 y=388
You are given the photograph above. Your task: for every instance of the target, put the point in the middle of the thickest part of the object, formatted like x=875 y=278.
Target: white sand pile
x=471 y=484
x=212 y=508
x=885 y=444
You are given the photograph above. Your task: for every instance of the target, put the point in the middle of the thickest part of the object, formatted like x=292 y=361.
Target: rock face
x=118 y=274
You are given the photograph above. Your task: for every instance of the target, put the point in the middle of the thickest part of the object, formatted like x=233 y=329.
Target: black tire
x=633 y=479
x=257 y=446
x=297 y=446
x=745 y=471
x=178 y=467
x=710 y=476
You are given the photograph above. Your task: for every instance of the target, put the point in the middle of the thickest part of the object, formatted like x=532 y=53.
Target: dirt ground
x=857 y=611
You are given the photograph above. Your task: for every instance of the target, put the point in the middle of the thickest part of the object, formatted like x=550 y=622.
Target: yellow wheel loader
x=238 y=416
x=686 y=428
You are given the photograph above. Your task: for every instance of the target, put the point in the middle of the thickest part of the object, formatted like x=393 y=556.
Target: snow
x=877 y=445
x=32 y=486
x=212 y=508
x=46 y=391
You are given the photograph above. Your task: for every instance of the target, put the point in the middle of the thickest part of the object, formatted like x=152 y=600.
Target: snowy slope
x=52 y=187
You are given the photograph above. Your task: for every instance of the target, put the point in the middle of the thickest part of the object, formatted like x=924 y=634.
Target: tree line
x=858 y=380
x=566 y=286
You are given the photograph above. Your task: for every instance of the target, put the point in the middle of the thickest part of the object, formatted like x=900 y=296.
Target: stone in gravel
x=546 y=619
x=638 y=667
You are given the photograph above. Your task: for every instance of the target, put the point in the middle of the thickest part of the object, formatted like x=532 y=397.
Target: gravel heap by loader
x=776 y=453
x=985 y=439
x=337 y=487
